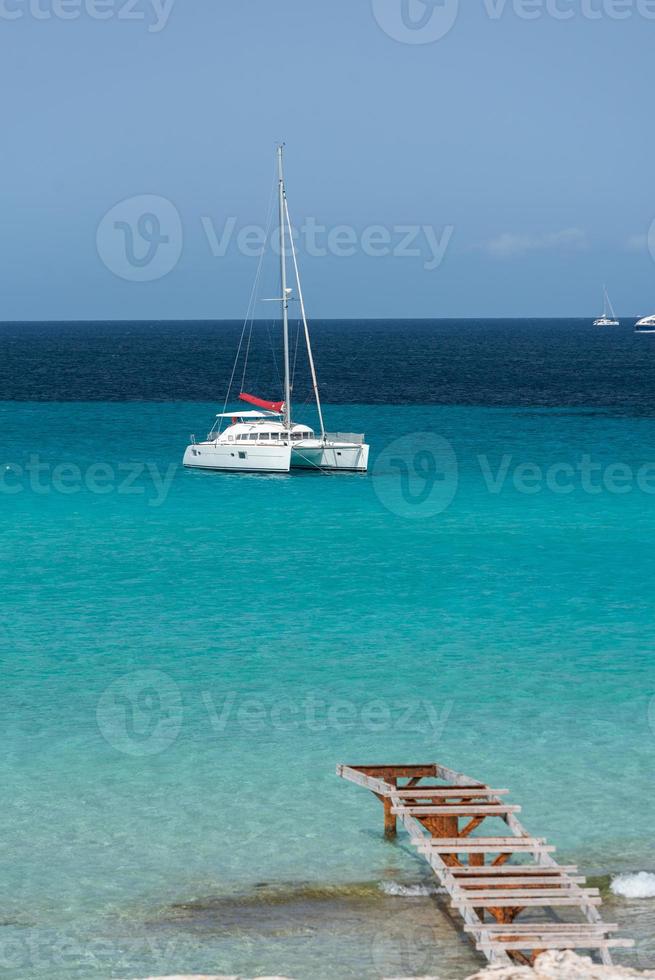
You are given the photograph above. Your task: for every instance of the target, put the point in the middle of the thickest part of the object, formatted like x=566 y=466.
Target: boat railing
x=355 y=437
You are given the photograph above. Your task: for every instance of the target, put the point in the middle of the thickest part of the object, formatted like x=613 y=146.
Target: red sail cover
x=261 y=403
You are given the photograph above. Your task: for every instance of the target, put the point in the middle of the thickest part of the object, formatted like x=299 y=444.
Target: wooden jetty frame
x=487 y=890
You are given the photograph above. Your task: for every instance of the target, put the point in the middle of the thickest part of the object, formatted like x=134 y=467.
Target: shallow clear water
x=187 y=656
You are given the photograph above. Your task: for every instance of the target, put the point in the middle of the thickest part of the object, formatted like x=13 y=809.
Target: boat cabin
x=260 y=428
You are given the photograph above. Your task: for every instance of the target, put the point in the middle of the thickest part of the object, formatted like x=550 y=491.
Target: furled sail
x=277 y=407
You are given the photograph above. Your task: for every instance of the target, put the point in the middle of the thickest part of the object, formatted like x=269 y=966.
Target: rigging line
x=251 y=301
x=311 y=462
x=303 y=313
x=245 y=360
x=295 y=354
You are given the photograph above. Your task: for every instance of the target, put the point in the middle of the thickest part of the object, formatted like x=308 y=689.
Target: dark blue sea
x=554 y=363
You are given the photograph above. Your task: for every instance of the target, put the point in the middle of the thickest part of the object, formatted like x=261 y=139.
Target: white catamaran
x=608 y=319
x=268 y=441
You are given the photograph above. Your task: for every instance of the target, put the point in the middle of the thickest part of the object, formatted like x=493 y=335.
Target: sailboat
x=608 y=319
x=266 y=439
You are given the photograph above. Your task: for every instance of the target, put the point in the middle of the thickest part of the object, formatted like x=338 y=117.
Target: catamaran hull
x=352 y=459
x=250 y=459
x=276 y=459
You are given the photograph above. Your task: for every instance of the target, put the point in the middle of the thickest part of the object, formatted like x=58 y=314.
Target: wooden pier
x=491 y=881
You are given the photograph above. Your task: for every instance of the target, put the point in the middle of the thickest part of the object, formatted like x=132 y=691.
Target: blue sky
x=512 y=158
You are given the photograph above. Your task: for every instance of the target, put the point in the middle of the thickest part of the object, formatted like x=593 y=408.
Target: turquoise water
x=187 y=656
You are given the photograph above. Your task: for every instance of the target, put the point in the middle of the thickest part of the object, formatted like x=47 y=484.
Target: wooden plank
x=536 y=892
x=562 y=942
x=451 y=776
x=399 y=771
x=516 y=869
x=513 y=869
x=516 y=928
x=510 y=903
x=378 y=786
x=486 y=848
x=492 y=841
x=486 y=810
x=439 y=792
x=488 y=882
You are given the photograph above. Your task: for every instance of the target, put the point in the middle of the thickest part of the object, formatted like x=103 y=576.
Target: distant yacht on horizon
x=608 y=318
x=268 y=440
x=646 y=324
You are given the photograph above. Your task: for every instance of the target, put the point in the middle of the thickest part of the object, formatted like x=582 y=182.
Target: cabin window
x=265 y=435
x=275 y=435
x=230 y=438
x=253 y=436
x=242 y=455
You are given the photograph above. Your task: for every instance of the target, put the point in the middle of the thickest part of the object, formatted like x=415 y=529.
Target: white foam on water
x=409 y=891
x=640 y=884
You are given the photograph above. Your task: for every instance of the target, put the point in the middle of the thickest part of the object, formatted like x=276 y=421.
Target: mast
x=285 y=294
x=303 y=313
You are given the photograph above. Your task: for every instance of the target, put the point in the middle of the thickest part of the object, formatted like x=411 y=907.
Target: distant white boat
x=608 y=319
x=268 y=440
x=646 y=324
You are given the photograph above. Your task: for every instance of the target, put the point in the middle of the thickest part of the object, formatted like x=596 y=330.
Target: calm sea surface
x=187 y=656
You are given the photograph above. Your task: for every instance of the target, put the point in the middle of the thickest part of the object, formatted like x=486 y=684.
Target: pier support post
x=390 y=824
x=390 y=828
